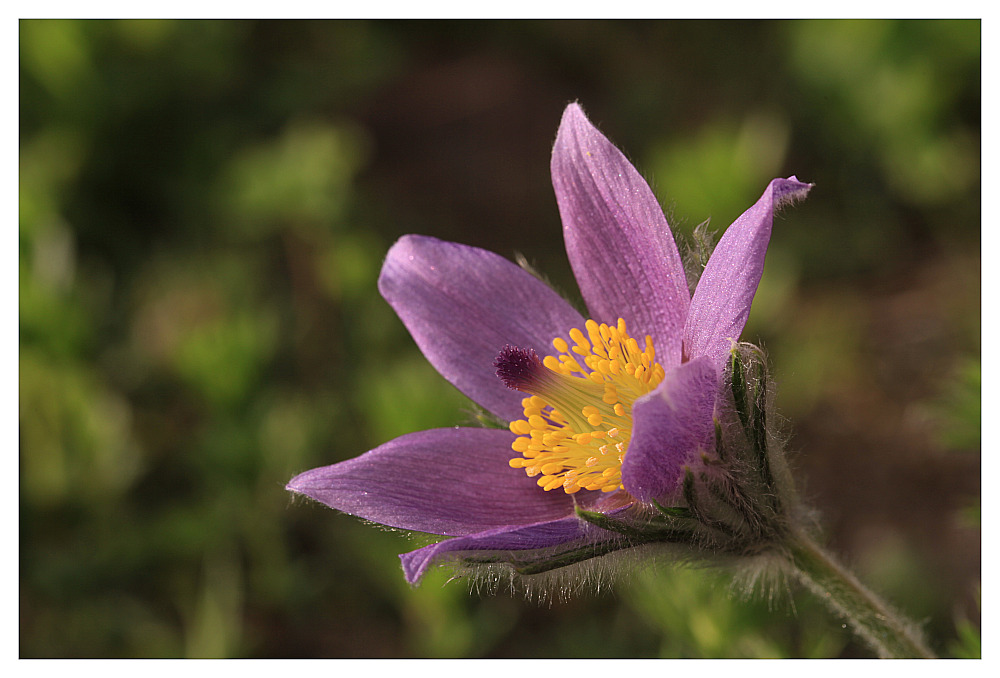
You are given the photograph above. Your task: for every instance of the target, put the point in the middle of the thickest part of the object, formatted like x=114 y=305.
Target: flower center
x=578 y=417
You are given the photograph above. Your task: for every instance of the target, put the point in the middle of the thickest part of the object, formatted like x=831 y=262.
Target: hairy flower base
x=578 y=418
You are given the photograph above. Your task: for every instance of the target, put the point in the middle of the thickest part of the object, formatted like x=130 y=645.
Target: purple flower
x=602 y=424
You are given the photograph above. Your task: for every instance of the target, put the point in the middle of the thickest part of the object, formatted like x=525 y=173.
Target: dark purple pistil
x=517 y=366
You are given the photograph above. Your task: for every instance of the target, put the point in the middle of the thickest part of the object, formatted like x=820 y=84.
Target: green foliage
x=203 y=211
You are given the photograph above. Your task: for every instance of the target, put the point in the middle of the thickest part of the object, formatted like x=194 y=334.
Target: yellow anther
x=577 y=424
x=553 y=483
x=570 y=364
x=520 y=426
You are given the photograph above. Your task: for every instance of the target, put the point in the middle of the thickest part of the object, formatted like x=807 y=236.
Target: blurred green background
x=204 y=207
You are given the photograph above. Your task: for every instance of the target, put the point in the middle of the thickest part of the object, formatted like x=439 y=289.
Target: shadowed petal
x=670 y=425
x=721 y=302
x=618 y=241
x=548 y=542
x=463 y=304
x=451 y=481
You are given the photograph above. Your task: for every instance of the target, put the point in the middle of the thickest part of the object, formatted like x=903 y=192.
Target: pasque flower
x=608 y=414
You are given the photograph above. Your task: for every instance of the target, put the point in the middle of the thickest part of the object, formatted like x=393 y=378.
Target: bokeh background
x=204 y=207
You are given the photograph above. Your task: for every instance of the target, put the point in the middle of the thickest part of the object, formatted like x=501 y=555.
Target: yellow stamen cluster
x=578 y=418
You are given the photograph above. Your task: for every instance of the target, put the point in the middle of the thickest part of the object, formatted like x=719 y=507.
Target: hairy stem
x=891 y=635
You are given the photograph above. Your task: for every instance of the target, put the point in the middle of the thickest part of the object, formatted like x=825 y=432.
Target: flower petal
x=721 y=303
x=452 y=481
x=618 y=241
x=670 y=425
x=543 y=546
x=463 y=304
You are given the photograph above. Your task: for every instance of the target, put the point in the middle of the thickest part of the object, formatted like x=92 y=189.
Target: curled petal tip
x=788 y=191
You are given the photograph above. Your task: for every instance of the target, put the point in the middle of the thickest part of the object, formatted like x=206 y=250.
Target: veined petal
x=618 y=241
x=463 y=304
x=549 y=542
x=721 y=302
x=670 y=426
x=451 y=481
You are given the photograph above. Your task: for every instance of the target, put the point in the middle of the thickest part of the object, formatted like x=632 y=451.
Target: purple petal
x=570 y=531
x=618 y=241
x=670 y=426
x=721 y=303
x=451 y=481
x=463 y=304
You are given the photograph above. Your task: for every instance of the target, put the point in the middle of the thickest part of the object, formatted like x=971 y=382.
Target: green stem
x=890 y=634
